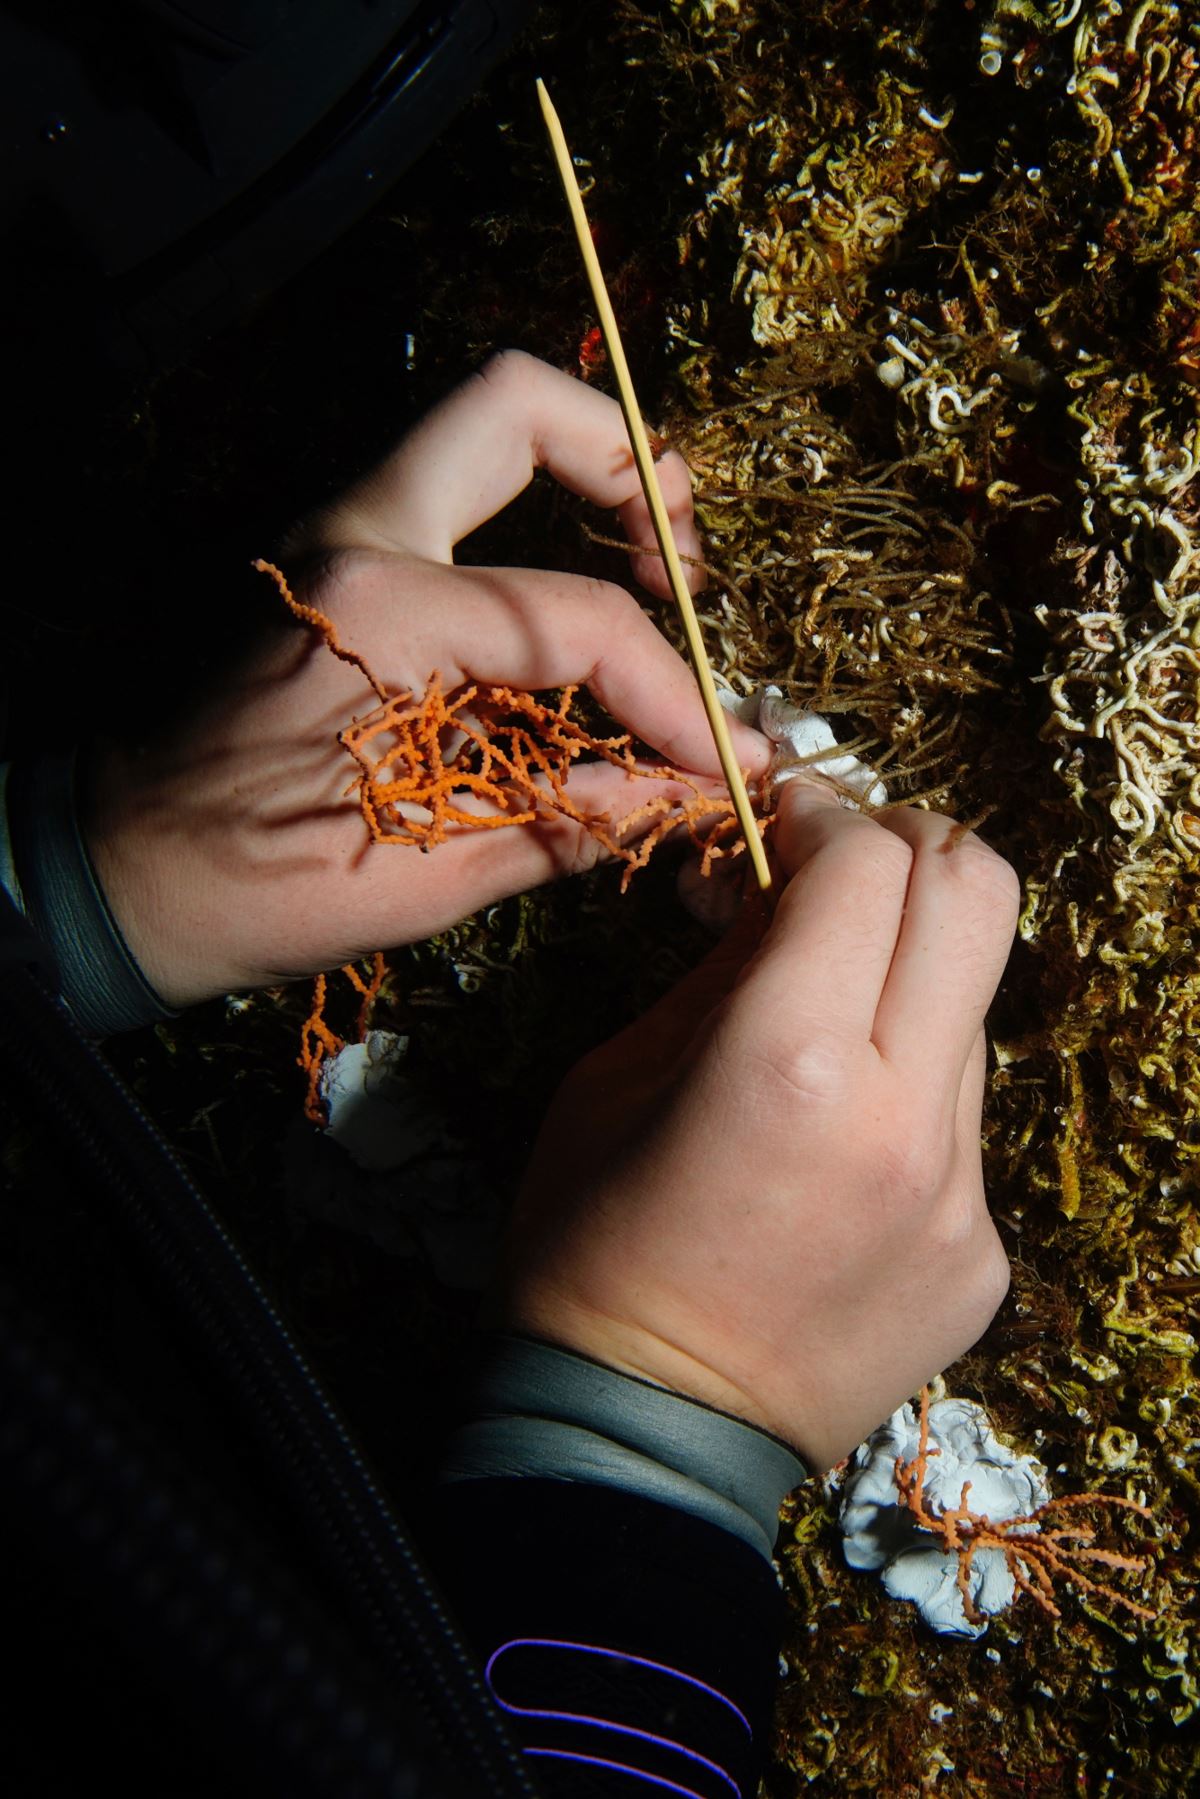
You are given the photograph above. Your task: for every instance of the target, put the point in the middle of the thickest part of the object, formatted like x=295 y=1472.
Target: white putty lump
x=804 y=745
x=391 y=1168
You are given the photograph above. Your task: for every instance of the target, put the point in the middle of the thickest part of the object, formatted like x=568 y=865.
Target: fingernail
x=753 y=749
x=799 y=792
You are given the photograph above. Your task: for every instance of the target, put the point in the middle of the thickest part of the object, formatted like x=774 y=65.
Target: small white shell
x=404 y=1180
x=360 y=1086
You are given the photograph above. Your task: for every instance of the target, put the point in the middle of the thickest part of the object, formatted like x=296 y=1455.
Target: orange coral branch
x=368 y=989
x=311 y=616
x=1035 y=1557
x=485 y=758
x=516 y=758
x=316 y=1042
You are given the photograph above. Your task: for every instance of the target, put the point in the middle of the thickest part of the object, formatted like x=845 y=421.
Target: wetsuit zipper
x=200 y=1269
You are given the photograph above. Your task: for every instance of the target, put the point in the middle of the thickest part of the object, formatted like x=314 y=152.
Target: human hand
x=232 y=856
x=767 y=1193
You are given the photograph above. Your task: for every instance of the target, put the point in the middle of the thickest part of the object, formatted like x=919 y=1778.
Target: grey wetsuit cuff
x=56 y=887
x=537 y=1411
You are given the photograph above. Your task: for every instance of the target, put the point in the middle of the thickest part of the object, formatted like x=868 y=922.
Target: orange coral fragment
x=1037 y=1551
x=369 y=990
x=318 y=1039
x=316 y=1042
x=318 y=620
x=486 y=757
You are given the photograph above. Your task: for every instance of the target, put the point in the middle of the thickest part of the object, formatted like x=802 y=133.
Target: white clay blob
x=391 y=1169
x=363 y=1094
x=804 y=745
x=879 y=1534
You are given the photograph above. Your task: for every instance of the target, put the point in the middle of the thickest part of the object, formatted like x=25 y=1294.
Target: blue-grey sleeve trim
x=544 y=1449
x=62 y=898
x=537 y=1410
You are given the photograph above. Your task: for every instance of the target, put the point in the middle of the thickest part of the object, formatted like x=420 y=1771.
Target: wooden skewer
x=650 y=486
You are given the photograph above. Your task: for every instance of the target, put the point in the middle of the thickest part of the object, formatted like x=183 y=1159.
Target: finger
x=954 y=941
x=480 y=448
x=533 y=629
x=968 y=1115
x=824 y=962
x=616 y=810
x=469 y=870
x=475 y=867
x=647 y=1054
x=650 y=570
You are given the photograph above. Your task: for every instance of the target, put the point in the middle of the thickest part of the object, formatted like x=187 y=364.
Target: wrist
x=57 y=886
x=633 y=1350
x=534 y=1410
x=132 y=890
x=159 y=896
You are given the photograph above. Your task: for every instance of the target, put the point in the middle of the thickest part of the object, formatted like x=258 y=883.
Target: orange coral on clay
x=1037 y=1550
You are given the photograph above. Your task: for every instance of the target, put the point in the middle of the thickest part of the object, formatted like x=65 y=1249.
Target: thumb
x=672 y=1024
x=806 y=807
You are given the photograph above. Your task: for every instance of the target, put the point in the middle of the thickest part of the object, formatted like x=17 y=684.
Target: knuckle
x=620 y=608
x=915 y=1167
x=813 y=1072
x=338 y=573
x=673 y=749
x=888 y=859
x=506 y=366
x=970 y=1249
x=812 y=821
x=993 y=1274
x=328 y=581
x=981 y=1277
x=341 y=584
x=990 y=882
x=584 y=853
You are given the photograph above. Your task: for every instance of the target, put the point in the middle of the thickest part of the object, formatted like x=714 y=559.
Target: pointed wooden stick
x=648 y=474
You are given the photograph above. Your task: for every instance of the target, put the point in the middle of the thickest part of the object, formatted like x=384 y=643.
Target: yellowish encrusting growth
x=923 y=280
x=936 y=341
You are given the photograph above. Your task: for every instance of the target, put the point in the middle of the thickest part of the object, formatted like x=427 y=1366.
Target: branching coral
x=318 y=1040
x=422 y=763
x=481 y=759
x=488 y=757
x=1038 y=1550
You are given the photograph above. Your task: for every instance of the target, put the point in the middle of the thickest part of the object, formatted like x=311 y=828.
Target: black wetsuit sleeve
x=633 y=1648
x=608 y=1545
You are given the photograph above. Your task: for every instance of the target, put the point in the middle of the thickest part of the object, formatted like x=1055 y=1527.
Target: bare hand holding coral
x=234 y=856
